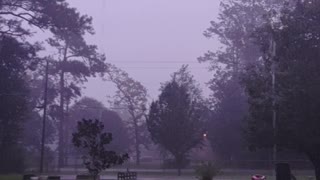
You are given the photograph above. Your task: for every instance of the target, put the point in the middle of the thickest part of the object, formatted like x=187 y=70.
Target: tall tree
x=31 y=139
x=234 y=28
x=294 y=61
x=131 y=95
x=16 y=59
x=21 y=18
x=175 y=123
x=33 y=125
x=89 y=108
x=76 y=61
x=226 y=121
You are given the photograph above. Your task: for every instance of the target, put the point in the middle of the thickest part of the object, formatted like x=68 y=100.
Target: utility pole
x=44 y=117
x=274 y=111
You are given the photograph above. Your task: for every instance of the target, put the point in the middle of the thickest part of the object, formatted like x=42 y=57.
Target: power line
x=156 y=62
x=160 y=67
x=14 y=94
x=98 y=107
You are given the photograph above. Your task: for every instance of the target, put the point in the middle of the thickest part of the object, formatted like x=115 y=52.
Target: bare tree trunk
x=95 y=177
x=179 y=164
x=61 y=137
x=317 y=171
x=66 y=130
x=137 y=142
x=314 y=156
x=316 y=165
x=61 y=123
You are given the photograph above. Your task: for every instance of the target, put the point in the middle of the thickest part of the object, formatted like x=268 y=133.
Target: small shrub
x=92 y=141
x=54 y=178
x=207 y=171
x=85 y=177
x=172 y=164
x=28 y=176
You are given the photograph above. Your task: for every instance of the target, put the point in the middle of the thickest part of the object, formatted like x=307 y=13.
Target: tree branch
x=16 y=6
x=11 y=33
x=21 y=16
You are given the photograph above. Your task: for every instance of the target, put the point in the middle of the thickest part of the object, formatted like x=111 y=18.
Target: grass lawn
x=10 y=177
x=172 y=177
x=158 y=174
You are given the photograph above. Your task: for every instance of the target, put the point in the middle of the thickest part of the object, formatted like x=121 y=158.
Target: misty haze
x=159 y=89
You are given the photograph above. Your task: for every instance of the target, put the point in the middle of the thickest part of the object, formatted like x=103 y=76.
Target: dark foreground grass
x=10 y=177
x=184 y=177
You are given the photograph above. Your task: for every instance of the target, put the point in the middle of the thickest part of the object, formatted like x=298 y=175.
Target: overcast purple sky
x=149 y=39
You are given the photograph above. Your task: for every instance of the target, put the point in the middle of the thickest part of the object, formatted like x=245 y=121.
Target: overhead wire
x=156 y=62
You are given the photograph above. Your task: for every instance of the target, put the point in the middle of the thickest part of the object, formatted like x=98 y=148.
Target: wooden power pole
x=44 y=118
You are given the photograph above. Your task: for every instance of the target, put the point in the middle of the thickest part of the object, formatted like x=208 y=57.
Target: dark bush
x=283 y=171
x=11 y=160
x=171 y=164
x=54 y=178
x=28 y=176
x=207 y=171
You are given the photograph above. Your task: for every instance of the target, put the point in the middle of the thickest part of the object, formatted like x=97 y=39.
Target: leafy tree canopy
x=15 y=59
x=131 y=97
x=43 y=14
x=89 y=108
